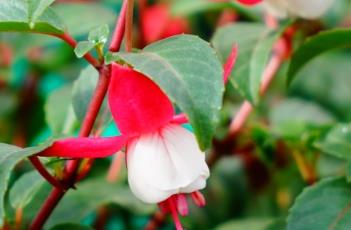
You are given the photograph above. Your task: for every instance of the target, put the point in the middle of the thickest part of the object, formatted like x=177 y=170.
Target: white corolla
x=164 y=163
x=308 y=9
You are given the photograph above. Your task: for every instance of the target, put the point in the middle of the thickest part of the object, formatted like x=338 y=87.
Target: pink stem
x=115 y=167
x=245 y=110
x=240 y=119
x=230 y=63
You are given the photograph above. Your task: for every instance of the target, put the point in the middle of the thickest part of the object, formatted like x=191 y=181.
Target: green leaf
x=25 y=188
x=325 y=205
x=348 y=172
x=255 y=43
x=83 y=47
x=337 y=142
x=82 y=18
x=9 y=156
x=99 y=35
x=185 y=7
x=250 y=38
x=252 y=224
x=316 y=45
x=293 y=116
x=187 y=69
x=90 y=195
x=188 y=8
x=322 y=81
x=59 y=112
x=29 y=16
x=83 y=90
x=71 y=226
x=36 y=8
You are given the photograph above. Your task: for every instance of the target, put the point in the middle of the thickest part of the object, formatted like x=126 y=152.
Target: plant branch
x=44 y=173
x=73 y=43
x=117 y=36
x=306 y=169
x=72 y=166
x=129 y=25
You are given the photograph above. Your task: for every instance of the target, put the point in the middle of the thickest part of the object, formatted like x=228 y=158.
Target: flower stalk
x=71 y=169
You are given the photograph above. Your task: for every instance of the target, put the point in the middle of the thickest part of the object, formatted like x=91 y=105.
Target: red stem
x=129 y=25
x=44 y=173
x=117 y=37
x=73 y=43
x=72 y=166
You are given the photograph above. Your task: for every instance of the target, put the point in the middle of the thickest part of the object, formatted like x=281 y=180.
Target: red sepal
x=85 y=147
x=137 y=104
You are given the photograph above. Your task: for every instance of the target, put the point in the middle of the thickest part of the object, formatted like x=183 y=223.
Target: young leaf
x=337 y=142
x=99 y=35
x=111 y=57
x=9 y=156
x=316 y=45
x=83 y=47
x=325 y=205
x=29 y=16
x=189 y=72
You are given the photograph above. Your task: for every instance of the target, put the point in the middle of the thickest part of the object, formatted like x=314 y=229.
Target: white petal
x=149 y=165
x=309 y=9
x=186 y=155
x=198 y=184
x=164 y=163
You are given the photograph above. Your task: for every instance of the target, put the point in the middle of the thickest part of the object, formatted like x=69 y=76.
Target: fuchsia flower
x=163 y=159
x=157 y=23
x=245 y=2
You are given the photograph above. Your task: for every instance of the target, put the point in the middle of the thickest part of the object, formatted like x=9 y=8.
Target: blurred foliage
x=297 y=135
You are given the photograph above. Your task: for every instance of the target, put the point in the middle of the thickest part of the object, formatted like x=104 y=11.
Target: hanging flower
x=310 y=9
x=244 y=2
x=156 y=22
x=164 y=161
